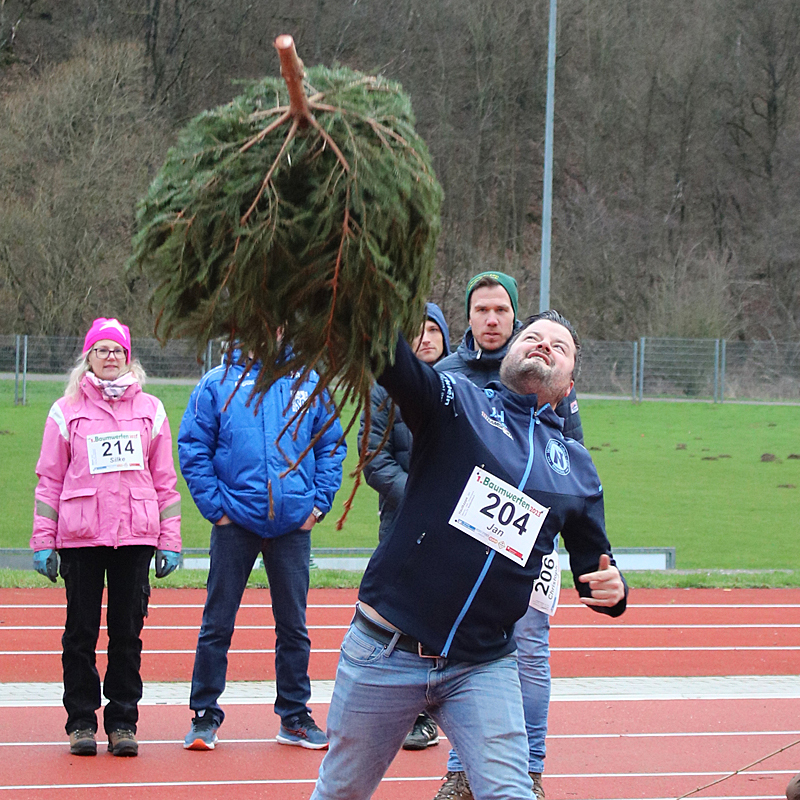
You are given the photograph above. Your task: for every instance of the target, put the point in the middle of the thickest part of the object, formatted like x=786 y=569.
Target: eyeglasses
x=104 y=352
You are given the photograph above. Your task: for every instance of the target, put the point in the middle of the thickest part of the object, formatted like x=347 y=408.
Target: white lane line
x=632 y=606
x=674 y=626
x=731 y=649
x=197 y=627
x=621 y=625
x=157 y=652
x=734 y=648
x=415 y=779
x=200 y=606
x=442 y=737
x=675 y=735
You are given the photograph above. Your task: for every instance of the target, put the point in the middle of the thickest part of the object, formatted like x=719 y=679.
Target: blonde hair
x=73 y=389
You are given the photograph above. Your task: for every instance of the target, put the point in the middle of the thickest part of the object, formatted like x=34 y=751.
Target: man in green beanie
x=491 y=300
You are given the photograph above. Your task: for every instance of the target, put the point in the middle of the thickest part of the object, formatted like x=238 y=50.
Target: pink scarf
x=113 y=390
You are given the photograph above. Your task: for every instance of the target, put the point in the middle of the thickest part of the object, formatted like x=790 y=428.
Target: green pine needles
x=321 y=222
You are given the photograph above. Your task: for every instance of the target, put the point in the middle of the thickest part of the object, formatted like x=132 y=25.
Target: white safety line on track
x=617 y=625
x=409 y=779
x=765 y=687
x=442 y=738
x=605 y=649
x=665 y=606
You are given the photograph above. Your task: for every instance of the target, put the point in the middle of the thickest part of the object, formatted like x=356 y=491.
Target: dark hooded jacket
x=440 y=585
x=388 y=471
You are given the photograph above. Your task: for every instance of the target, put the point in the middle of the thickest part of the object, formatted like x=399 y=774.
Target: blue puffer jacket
x=230 y=461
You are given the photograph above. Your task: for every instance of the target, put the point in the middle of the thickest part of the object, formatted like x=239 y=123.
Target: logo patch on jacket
x=298 y=400
x=446 y=393
x=497 y=419
x=573 y=407
x=557 y=457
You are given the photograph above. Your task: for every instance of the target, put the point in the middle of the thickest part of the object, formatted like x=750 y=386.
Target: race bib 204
x=499 y=515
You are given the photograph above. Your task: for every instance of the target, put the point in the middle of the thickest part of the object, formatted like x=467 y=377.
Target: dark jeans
x=84 y=570
x=286 y=560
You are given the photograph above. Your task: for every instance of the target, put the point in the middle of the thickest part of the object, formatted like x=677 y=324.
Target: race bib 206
x=547 y=587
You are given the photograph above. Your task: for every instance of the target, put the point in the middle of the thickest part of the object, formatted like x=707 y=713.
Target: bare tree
x=77 y=148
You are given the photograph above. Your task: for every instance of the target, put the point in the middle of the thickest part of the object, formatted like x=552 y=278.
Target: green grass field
x=683 y=475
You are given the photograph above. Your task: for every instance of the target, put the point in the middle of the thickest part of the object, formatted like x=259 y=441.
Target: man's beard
x=530 y=376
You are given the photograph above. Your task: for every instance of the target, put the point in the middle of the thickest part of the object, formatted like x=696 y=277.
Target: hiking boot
x=538 y=791
x=301 y=730
x=455 y=787
x=203 y=734
x=424 y=734
x=83 y=743
x=123 y=742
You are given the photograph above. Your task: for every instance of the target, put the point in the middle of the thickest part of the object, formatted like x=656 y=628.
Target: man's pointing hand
x=606 y=584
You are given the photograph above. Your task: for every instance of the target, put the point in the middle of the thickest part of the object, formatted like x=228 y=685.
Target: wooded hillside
x=677 y=140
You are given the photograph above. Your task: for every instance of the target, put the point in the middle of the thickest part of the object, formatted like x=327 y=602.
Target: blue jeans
x=532 y=634
x=286 y=560
x=378 y=695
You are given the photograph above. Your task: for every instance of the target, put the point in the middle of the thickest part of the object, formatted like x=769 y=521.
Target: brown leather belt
x=406 y=643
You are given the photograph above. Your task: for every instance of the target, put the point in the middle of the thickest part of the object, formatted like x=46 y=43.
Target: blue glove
x=45 y=562
x=166 y=562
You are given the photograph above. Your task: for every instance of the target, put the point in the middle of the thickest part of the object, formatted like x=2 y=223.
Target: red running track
x=599 y=748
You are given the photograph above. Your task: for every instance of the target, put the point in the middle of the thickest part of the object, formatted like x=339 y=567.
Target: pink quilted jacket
x=74 y=508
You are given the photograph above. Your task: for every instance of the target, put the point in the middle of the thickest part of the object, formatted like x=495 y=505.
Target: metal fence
x=698 y=369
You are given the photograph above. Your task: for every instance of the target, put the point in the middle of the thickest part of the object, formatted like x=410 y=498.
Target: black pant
x=84 y=570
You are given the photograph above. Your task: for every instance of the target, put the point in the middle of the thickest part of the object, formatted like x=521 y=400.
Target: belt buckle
x=424 y=655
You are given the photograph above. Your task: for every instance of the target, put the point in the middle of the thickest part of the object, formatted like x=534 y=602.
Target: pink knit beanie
x=112 y=329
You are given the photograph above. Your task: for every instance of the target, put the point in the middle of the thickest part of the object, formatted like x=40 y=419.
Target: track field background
x=690 y=688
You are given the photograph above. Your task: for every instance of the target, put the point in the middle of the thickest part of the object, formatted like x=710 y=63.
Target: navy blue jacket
x=483 y=366
x=230 y=461
x=436 y=583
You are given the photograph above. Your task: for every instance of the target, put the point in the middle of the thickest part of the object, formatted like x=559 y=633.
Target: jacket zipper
x=492 y=553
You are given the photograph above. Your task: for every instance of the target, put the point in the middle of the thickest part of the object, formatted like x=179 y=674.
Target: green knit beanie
x=506 y=281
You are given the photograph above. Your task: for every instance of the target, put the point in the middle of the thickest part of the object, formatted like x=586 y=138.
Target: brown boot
x=455 y=787
x=538 y=791
x=123 y=743
x=83 y=743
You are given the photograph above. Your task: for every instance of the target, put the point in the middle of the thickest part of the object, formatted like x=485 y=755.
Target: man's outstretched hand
x=606 y=584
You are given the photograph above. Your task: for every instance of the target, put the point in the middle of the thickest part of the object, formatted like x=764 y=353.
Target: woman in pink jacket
x=106 y=499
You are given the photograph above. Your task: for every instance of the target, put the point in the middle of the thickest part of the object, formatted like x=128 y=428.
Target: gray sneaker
x=302 y=731
x=203 y=734
x=455 y=787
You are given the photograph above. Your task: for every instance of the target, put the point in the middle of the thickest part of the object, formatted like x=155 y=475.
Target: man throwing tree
x=492 y=481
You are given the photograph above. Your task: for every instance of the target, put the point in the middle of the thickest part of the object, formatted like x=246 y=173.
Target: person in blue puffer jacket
x=241 y=481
